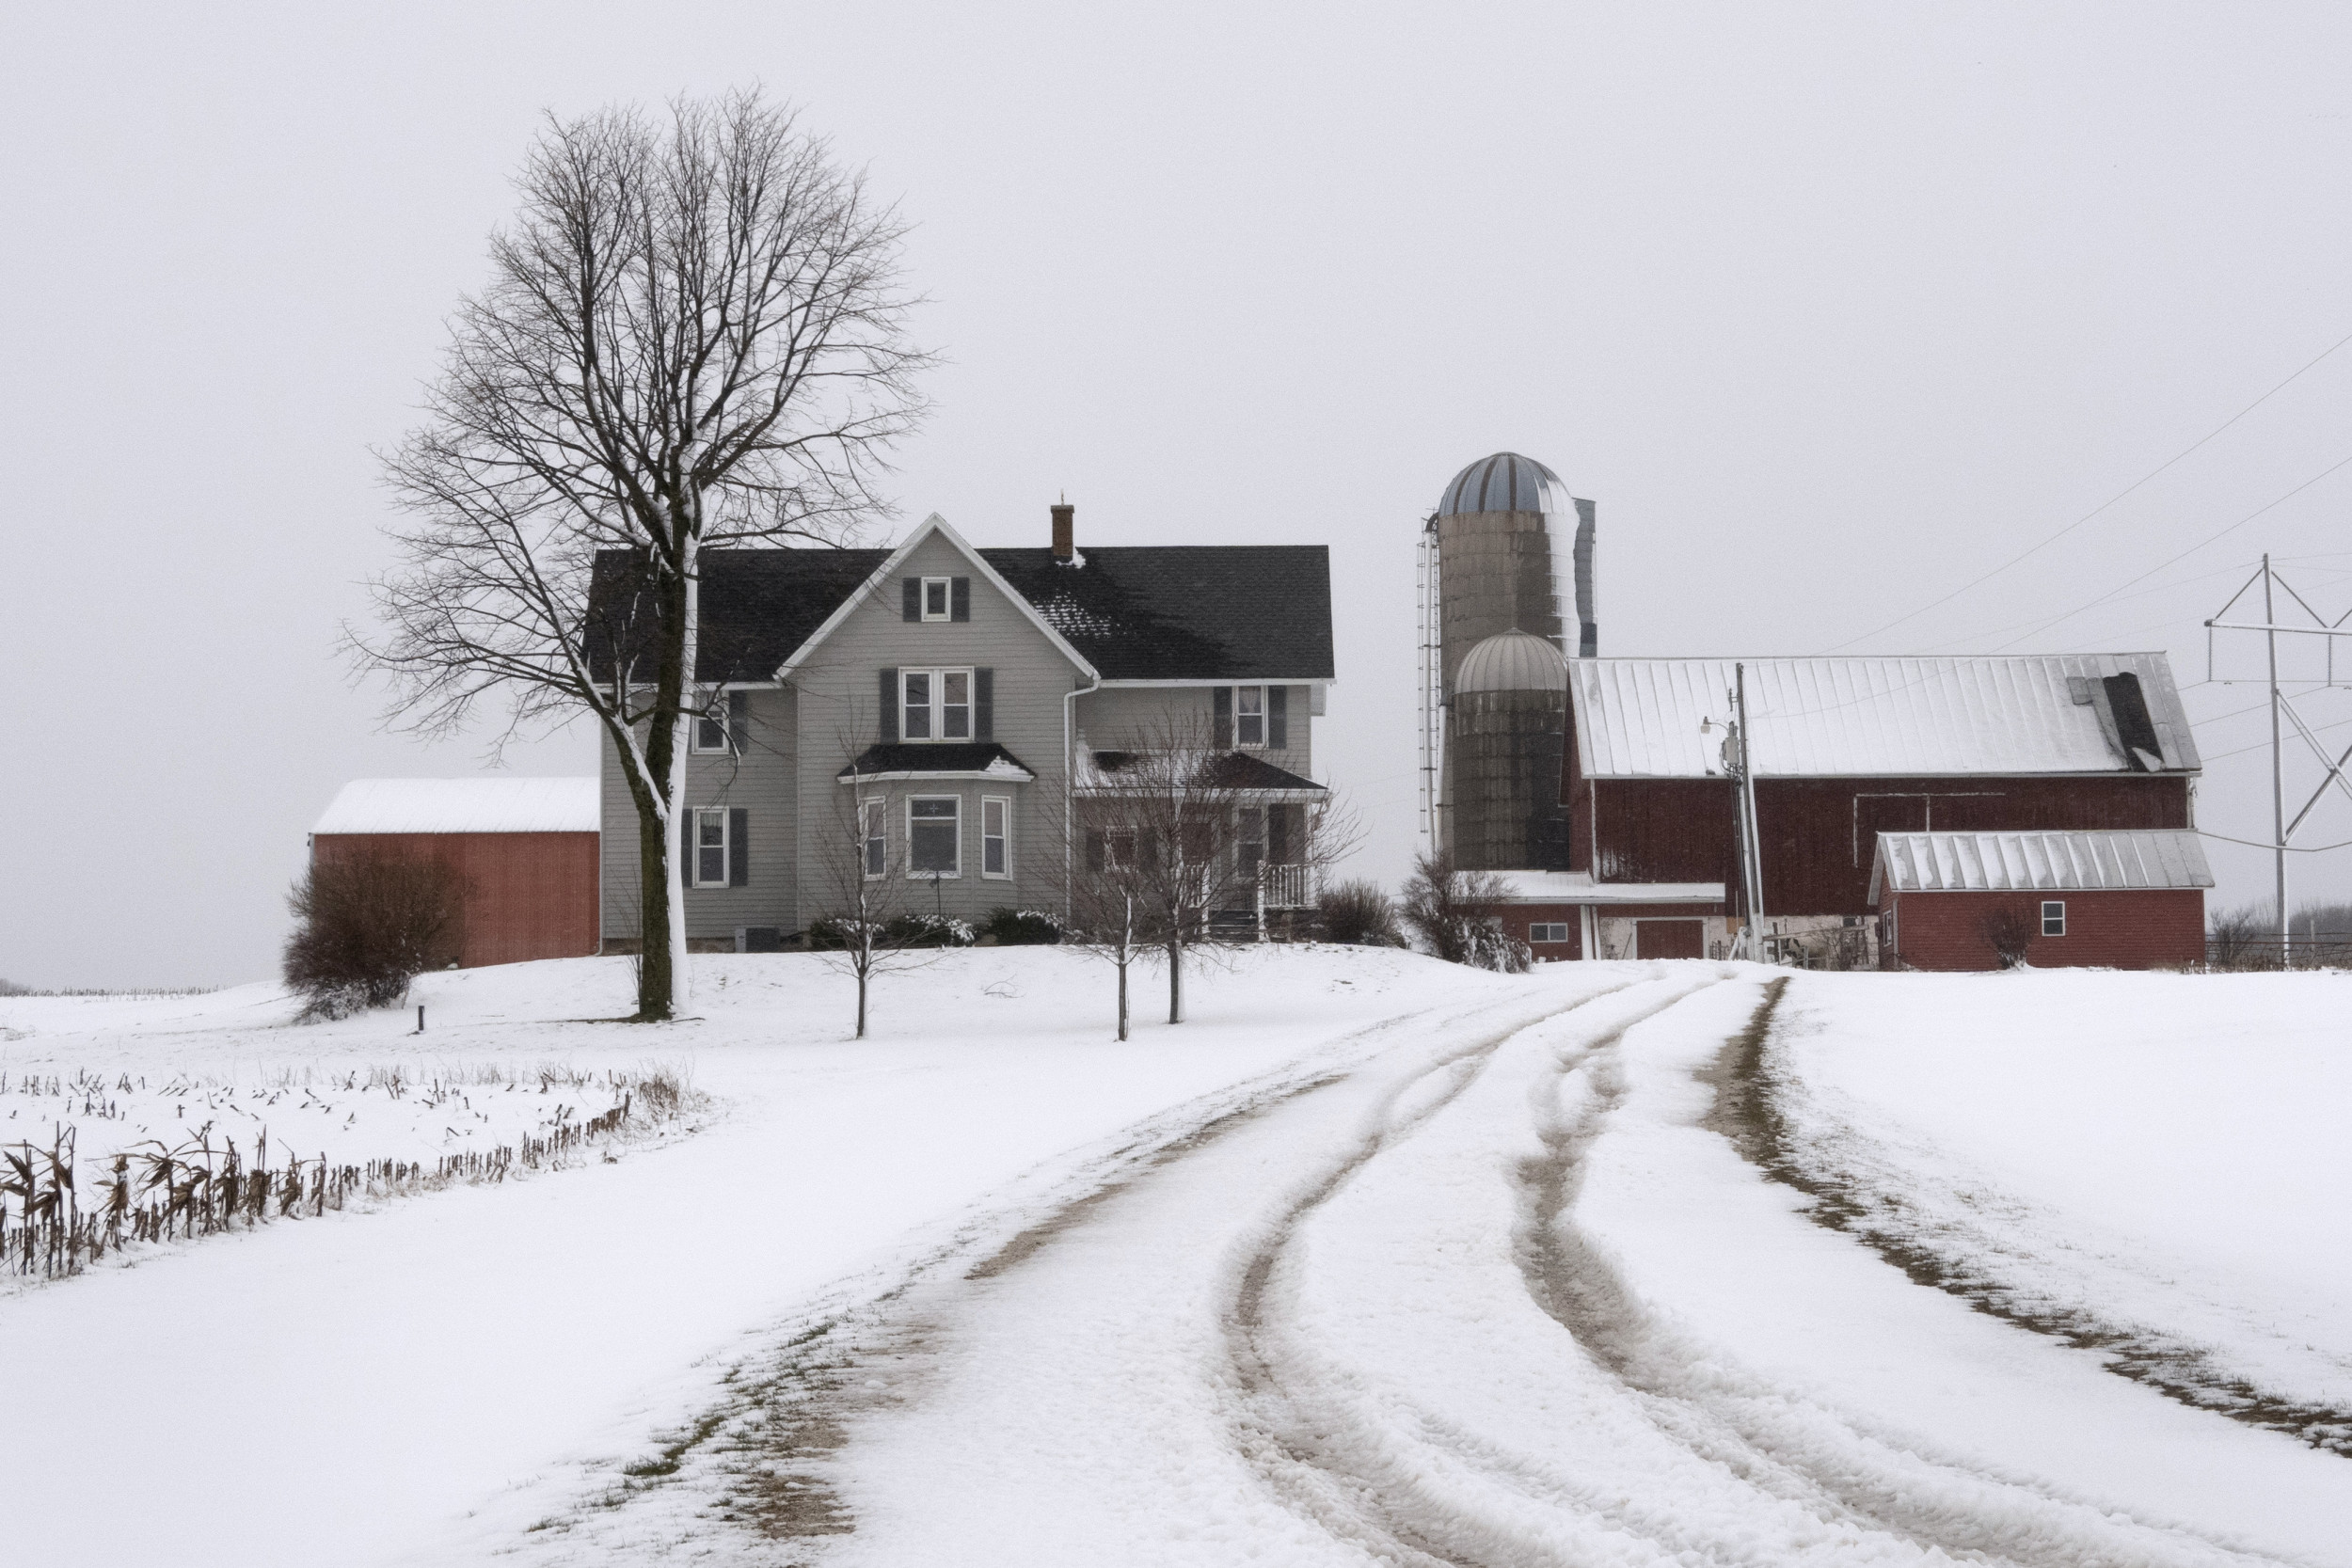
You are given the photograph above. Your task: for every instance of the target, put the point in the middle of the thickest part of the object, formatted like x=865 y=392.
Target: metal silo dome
x=1512 y=661
x=1505 y=483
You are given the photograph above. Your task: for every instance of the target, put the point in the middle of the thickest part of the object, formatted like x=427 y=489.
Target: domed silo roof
x=1505 y=483
x=1512 y=661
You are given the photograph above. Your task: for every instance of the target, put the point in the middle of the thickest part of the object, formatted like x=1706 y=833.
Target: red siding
x=2111 y=930
x=533 y=896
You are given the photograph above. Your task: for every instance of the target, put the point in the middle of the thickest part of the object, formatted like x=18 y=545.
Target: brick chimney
x=1065 y=531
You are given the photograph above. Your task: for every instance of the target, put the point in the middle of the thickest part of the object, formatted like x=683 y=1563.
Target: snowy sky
x=1832 y=308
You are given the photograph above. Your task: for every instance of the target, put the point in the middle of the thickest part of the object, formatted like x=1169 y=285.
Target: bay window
x=935 y=836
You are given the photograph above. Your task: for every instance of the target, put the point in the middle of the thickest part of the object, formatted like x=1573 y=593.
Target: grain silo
x=1496 y=557
x=1506 y=725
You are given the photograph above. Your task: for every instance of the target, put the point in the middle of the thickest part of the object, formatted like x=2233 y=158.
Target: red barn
x=527 y=847
x=2118 y=900
x=1843 y=749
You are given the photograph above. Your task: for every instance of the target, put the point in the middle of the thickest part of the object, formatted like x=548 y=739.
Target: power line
x=2103 y=505
x=2151 y=571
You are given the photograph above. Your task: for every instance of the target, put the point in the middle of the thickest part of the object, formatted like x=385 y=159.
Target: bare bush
x=1359 y=913
x=1458 y=914
x=367 y=925
x=2009 y=931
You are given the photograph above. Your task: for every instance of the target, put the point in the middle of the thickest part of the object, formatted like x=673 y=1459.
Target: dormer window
x=938 y=600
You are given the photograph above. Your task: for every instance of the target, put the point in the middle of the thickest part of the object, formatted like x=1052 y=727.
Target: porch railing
x=1285 y=887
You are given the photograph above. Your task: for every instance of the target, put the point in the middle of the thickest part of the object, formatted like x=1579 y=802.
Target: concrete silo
x=1507 y=549
x=1506 y=727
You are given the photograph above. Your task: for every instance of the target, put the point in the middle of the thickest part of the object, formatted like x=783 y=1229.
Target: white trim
x=1264 y=717
x=694 y=746
x=914 y=875
x=1559 y=926
x=947 y=600
x=1227 y=680
x=996 y=772
x=938 y=705
x=934 y=524
x=1004 y=806
x=726 y=849
x=2060 y=904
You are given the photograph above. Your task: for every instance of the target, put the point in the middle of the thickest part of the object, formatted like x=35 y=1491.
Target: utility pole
x=2278 y=772
x=1743 y=811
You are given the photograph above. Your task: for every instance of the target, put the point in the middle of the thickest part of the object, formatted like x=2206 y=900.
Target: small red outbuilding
x=2067 y=900
x=526 y=848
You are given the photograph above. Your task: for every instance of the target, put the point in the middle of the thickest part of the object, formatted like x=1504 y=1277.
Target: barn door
x=1670 y=938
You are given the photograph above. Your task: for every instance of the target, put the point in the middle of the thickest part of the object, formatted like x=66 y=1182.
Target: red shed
x=526 y=848
x=2112 y=900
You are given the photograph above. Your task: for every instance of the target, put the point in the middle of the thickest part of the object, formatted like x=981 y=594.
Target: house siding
x=763 y=781
x=2107 y=929
x=1113 y=718
x=840 y=699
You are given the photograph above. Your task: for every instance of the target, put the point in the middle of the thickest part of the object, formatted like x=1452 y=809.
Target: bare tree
x=1459 y=914
x=2008 y=930
x=1177 y=834
x=693 y=336
x=864 y=870
x=369 y=923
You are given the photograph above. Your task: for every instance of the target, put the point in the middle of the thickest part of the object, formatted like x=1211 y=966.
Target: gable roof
x=1843 y=717
x=1202 y=612
x=2039 y=862
x=463 y=806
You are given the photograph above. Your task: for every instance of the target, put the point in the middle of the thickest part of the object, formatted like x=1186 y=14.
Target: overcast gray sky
x=1832 y=308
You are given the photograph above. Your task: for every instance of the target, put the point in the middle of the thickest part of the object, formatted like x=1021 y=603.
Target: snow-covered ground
x=1376 y=1261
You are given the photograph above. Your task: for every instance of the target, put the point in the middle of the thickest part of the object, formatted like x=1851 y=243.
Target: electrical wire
x=2103 y=505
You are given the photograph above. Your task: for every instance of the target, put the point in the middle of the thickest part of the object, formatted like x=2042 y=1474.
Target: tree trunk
x=864 y=965
x=1175 y=982
x=655 y=837
x=1122 y=993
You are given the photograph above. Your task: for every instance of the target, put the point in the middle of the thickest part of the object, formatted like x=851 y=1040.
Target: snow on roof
x=1577 y=887
x=1832 y=718
x=463 y=806
x=2040 y=862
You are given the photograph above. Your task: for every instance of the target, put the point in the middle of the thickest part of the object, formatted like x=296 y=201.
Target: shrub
x=367 y=925
x=1014 y=928
x=2009 y=930
x=833 y=933
x=1456 y=915
x=927 y=930
x=1361 y=913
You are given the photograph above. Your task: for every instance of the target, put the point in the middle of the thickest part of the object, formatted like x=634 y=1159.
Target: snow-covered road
x=1391 y=1263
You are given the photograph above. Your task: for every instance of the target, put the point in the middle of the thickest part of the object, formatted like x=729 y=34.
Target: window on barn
x=2053 y=917
x=935 y=836
x=874 y=829
x=995 y=830
x=1554 y=930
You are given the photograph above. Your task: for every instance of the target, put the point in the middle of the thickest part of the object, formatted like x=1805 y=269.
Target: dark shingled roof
x=930 y=757
x=1224 y=770
x=1138 y=612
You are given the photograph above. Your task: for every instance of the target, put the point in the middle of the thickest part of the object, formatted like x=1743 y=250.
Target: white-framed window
x=938 y=598
x=934 y=836
x=1250 y=716
x=710 y=734
x=1547 y=930
x=996 y=835
x=2053 y=917
x=710 y=847
x=935 y=704
x=873 y=831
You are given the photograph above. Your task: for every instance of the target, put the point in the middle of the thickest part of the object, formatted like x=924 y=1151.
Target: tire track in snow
x=1298 y=1439
x=758 y=1465
x=1783 y=1444
x=1750 y=1113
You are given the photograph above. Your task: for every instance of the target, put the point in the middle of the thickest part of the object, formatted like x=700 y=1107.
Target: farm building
x=526 y=848
x=2121 y=900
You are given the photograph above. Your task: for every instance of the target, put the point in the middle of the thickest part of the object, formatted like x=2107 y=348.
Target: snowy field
x=1376 y=1260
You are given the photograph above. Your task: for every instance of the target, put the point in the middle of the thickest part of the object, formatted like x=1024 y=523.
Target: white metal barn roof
x=1832 y=717
x=463 y=806
x=2039 y=862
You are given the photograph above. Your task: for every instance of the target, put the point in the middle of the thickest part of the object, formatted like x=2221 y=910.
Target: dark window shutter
x=1094 y=850
x=1278 y=717
x=889 y=729
x=983 y=704
x=1278 y=832
x=738 y=847
x=739 y=721
x=1221 y=709
x=910 y=598
x=686 y=842
x=959 y=598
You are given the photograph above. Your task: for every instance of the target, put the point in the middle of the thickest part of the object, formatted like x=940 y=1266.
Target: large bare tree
x=1175 y=832
x=694 y=335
